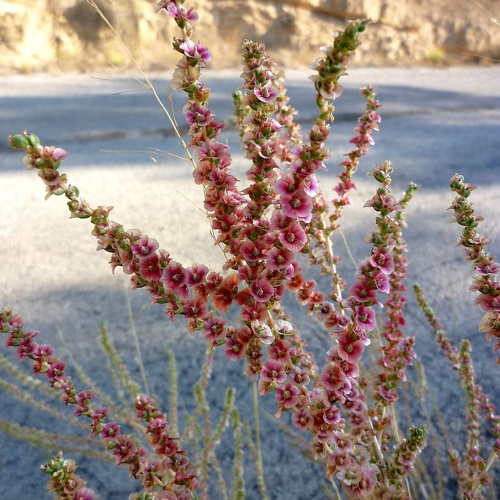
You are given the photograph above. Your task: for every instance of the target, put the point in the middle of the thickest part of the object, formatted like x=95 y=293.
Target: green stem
x=258 y=461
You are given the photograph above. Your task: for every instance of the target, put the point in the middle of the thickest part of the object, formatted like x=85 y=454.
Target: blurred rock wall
x=52 y=35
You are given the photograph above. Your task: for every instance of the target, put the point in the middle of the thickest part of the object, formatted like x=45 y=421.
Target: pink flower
x=251 y=251
x=222 y=298
x=279 y=258
x=196 y=308
x=297 y=206
x=488 y=302
x=261 y=289
x=364 y=317
x=85 y=494
x=362 y=292
x=382 y=259
x=287 y=185
x=287 y=395
x=214 y=329
x=382 y=282
x=293 y=237
x=311 y=185
x=300 y=377
x=214 y=151
x=490 y=324
x=279 y=350
x=329 y=88
x=266 y=93
x=149 y=269
x=197 y=114
x=221 y=179
x=302 y=420
x=263 y=332
x=332 y=377
x=280 y=221
x=273 y=371
x=384 y=203
x=332 y=415
x=178 y=12
x=144 y=247
x=174 y=276
x=196 y=274
x=233 y=348
x=256 y=311
x=195 y=51
x=349 y=349
x=110 y=431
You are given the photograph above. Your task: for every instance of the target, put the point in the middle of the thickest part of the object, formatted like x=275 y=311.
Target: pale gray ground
x=434 y=123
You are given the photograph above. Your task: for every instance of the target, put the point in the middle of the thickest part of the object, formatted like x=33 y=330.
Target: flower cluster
x=485 y=267
x=367 y=124
x=397 y=351
x=169 y=473
x=64 y=482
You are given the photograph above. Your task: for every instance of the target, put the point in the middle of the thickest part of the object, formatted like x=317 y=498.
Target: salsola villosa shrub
x=267 y=230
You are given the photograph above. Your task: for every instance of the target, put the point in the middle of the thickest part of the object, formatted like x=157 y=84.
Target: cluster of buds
x=367 y=124
x=64 y=482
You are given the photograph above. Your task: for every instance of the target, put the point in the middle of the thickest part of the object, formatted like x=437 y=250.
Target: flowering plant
x=267 y=230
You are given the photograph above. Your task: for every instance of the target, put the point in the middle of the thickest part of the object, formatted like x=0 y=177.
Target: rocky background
x=68 y=35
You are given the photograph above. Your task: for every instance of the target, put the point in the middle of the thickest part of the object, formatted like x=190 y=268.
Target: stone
x=65 y=35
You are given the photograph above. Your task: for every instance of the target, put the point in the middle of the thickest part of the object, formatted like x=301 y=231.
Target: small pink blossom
x=297 y=206
x=214 y=329
x=85 y=494
x=273 y=371
x=364 y=317
x=197 y=114
x=488 y=303
x=332 y=377
x=382 y=282
x=382 y=259
x=287 y=395
x=349 y=349
x=279 y=258
x=251 y=251
x=311 y=185
x=178 y=12
x=332 y=415
x=234 y=348
x=293 y=237
x=362 y=292
x=174 y=276
x=287 y=185
x=195 y=51
x=263 y=332
x=302 y=420
x=145 y=247
x=149 y=269
x=261 y=289
x=196 y=274
x=266 y=93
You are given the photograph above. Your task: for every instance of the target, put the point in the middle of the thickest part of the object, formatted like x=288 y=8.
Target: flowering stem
x=484 y=265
